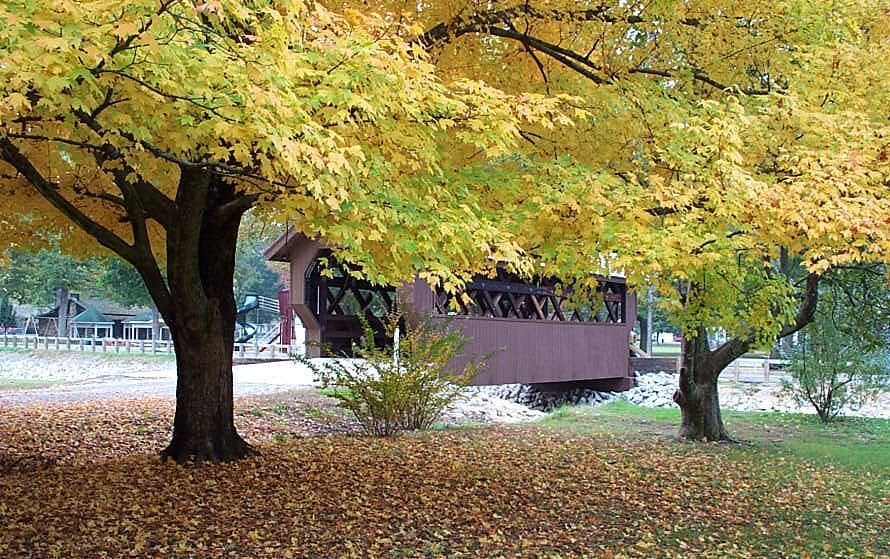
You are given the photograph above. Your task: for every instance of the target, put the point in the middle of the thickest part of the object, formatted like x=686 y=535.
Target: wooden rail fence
x=756 y=369
x=248 y=350
x=741 y=370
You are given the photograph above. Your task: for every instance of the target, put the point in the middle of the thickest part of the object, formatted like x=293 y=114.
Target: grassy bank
x=849 y=442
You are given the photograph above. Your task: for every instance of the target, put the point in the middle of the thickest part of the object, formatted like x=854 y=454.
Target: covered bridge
x=537 y=336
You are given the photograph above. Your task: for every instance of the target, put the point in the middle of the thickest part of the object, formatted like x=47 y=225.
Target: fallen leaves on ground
x=41 y=435
x=485 y=492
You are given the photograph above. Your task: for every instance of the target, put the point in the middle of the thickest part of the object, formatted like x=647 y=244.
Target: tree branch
x=58 y=139
x=12 y=155
x=236 y=207
x=444 y=32
x=567 y=58
x=171 y=96
x=807 y=309
x=490 y=22
x=161 y=207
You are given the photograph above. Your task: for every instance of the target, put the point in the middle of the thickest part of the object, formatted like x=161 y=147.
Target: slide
x=244 y=331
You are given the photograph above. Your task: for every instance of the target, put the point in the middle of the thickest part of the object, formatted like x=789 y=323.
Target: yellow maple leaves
x=333 y=116
x=661 y=140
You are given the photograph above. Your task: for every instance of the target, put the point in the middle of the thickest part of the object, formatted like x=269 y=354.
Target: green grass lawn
x=667 y=350
x=605 y=482
x=848 y=442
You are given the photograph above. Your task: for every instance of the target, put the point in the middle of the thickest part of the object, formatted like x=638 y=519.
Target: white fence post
x=254 y=349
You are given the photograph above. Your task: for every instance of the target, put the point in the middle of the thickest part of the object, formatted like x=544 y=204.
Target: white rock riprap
x=653 y=390
x=656 y=390
x=478 y=406
x=531 y=397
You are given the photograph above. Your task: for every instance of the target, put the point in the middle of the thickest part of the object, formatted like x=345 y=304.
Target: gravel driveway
x=72 y=377
x=76 y=377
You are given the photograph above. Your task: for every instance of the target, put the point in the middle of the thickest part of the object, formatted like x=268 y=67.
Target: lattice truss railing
x=334 y=295
x=543 y=300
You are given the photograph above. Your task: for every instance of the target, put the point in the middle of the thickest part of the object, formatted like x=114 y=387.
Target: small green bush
x=838 y=362
x=406 y=385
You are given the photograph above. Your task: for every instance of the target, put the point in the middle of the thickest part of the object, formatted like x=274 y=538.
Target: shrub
x=840 y=359
x=407 y=384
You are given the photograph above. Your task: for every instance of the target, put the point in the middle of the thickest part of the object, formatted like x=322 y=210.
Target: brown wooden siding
x=531 y=352
x=654 y=364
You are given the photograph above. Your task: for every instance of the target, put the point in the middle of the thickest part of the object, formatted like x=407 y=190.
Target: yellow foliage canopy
x=718 y=132
x=702 y=133
x=335 y=119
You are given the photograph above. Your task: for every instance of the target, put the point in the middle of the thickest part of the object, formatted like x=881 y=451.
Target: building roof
x=109 y=309
x=91 y=316
x=144 y=316
x=281 y=248
x=112 y=310
x=54 y=311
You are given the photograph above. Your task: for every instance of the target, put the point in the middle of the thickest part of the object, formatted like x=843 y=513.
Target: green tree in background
x=120 y=282
x=252 y=273
x=841 y=359
x=31 y=277
x=7 y=314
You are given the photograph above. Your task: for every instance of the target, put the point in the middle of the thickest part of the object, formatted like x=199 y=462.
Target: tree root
x=233 y=449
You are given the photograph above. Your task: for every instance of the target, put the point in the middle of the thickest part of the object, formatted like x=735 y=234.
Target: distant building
x=139 y=327
x=85 y=317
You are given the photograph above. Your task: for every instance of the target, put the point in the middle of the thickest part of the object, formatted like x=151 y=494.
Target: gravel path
x=75 y=377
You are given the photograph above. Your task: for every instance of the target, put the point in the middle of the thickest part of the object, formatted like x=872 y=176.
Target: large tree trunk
x=203 y=427
x=195 y=297
x=201 y=317
x=697 y=393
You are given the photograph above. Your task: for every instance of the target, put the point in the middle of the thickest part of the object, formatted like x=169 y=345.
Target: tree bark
x=155 y=323
x=697 y=393
x=201 y=318
x=203 y=426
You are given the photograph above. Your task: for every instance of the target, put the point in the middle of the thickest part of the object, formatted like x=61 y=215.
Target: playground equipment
x=258 y=320
x=245 y=331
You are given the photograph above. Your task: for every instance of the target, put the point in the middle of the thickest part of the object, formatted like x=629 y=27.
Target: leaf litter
x=85 y=480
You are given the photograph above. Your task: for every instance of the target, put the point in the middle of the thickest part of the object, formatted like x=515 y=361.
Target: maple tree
x=151 y=127
x=733 y=152
x=709 y=139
